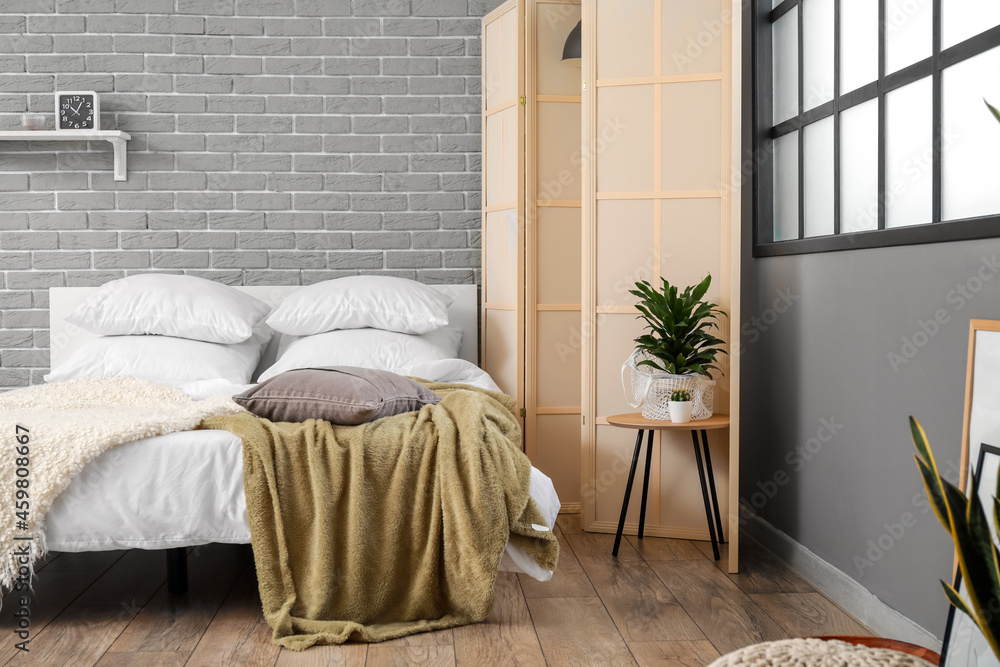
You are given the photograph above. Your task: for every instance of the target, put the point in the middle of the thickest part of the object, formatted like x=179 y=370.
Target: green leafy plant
x=993 y=110
x=680 y=395
x=678 y=322
x=966 y=522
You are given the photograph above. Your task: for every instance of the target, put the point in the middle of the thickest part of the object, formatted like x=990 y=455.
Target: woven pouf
x=816 y=653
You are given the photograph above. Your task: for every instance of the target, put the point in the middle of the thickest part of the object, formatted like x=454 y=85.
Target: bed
x=186 y=489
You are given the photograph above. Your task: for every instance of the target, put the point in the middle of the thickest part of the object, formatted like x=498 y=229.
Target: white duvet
x=186 y=489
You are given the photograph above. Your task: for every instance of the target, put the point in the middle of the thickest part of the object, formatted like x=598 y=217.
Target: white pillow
x=170 y=305
x=163 y=359
x=358 y=302
x=366 y=348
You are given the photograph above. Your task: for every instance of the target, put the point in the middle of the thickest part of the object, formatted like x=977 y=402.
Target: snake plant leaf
x=978 y=570
x=979 y=529
x=993 y=110
x=934 y=493
x=929 y=471
x=956 y=600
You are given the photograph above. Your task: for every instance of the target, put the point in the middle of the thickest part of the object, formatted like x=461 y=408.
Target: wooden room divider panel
x=552 y=258
x=532 y=341
x=503 y=198
x=661 y=130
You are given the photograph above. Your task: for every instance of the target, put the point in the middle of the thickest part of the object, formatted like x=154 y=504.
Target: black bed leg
x=177 y=571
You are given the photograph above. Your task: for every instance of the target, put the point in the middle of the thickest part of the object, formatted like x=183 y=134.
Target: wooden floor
x=663 y=602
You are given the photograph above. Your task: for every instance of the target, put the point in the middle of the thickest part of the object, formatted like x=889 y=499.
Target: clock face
x=76 y=112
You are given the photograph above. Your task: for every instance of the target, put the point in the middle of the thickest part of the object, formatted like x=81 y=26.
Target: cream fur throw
x=69 y=424
x=816 y=653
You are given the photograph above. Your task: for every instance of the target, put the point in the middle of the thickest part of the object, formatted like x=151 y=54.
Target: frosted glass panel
x=493 y=256
x=859 y=168
x=785 y=57
x=962 y=19
x=908 y=32
x=818 y=183
x=494 y=159
x=510 y=256
x=559 y=232
x=909 y=157
x=559 y=359
x=510 y=69
x=692 y=143
x=508 y=178
x=493 y=46
x=625 y=128
x=859 y=52
x=817 y=54
x=971 y=138
x=558 y=142
x=692 y=223
x=692 y=42
x=625 y=251
x=786 y=187
x=625 y=38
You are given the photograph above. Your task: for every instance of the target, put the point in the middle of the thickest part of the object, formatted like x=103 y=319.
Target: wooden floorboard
x=54 y=589
x=660 y=602
x=407 y=656
x=507 y=637
x=568 y=581
x=176 y=623
x=238 y=635
x=347 y=655
x=808 y=615
x=728 y=616
x=578 y=631
x=674 y=654
x=640 y=605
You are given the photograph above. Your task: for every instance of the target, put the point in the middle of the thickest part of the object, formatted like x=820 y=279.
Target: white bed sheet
x=186 y=489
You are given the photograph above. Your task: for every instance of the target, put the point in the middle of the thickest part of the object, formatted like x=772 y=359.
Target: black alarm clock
x=78 y=111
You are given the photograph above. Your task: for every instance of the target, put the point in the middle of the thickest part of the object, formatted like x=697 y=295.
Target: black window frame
x=762 y=17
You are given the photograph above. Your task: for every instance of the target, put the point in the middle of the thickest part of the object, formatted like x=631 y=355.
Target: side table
x=637 y=421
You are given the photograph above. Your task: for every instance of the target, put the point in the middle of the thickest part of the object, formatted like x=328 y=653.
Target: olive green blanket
x=390 y=528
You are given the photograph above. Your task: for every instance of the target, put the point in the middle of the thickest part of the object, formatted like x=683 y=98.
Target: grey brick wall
x=272 y=143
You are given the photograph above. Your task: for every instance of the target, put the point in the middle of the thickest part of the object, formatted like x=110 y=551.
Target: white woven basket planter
x=651 y=389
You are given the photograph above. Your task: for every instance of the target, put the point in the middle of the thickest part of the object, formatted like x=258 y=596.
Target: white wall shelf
x=117 y=139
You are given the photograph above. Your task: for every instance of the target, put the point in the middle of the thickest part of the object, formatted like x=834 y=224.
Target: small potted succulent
x=680 y=406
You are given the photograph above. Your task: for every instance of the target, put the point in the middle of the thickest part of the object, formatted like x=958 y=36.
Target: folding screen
x=660 y=125
x=532 y=231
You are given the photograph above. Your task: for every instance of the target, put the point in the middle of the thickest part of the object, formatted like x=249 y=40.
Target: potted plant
x=965 y=519
x=677 y=352
x=680 y=406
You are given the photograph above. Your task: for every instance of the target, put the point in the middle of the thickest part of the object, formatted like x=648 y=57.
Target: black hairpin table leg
x=711 y=486
x=645 y=482
x=628 y=493
x=704 y=494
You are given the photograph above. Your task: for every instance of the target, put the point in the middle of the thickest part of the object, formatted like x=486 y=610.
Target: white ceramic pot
x=680 y=411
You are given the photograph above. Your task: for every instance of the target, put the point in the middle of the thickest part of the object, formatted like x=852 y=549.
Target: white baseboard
x=854 y=598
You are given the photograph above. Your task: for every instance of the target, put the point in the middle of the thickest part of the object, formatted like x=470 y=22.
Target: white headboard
x=66 y=338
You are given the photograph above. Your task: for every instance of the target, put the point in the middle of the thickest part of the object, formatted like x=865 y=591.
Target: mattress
x=186 y=489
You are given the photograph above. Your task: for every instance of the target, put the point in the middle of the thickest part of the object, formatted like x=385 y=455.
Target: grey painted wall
x=273 y=142
x=853 y=494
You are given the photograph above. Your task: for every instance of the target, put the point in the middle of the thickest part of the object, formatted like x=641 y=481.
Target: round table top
x=636 y=420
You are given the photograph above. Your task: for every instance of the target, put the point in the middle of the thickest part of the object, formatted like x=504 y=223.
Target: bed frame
x=66 y=339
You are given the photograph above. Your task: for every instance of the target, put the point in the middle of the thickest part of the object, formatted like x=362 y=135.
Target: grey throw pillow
x=337 y=394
